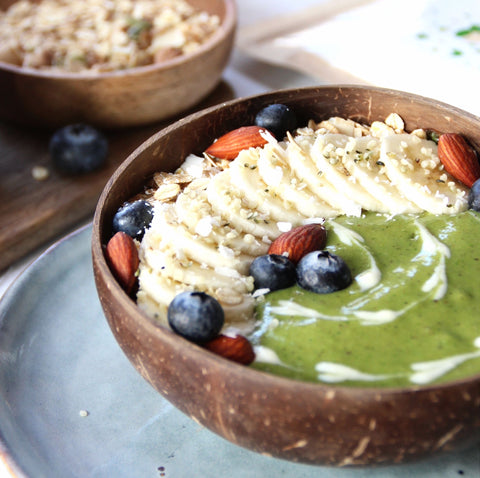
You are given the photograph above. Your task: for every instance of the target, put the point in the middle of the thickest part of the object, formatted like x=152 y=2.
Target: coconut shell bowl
x=313 y=423
x=123 y=98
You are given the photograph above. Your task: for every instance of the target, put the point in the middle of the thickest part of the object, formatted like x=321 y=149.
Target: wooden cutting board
x=33 y=212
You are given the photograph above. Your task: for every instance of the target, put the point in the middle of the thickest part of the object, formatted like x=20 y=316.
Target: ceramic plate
x=71 y=405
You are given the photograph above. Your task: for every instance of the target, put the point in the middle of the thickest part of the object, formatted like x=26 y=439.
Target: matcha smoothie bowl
x=296 y=271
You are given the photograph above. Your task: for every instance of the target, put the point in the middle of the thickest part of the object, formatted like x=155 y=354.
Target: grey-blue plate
x=71 y=405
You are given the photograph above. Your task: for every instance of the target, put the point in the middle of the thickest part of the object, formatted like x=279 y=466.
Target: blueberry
x=78 y=148
x=196 y=316
x=133 y=218
x=273 y=272
x=474 y=196
x=278 y=119
x=323 y=272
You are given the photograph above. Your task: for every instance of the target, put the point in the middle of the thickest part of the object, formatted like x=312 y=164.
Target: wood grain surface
x=33 y=212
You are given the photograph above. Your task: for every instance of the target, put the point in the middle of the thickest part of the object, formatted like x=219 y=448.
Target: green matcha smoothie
x=411 y=316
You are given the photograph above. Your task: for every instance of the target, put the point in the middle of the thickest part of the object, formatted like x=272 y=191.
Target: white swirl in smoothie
x=422 y=372
x=432 y=251
x=369 y=277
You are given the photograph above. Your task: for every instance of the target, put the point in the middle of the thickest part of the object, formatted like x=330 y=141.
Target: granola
x=100 y=35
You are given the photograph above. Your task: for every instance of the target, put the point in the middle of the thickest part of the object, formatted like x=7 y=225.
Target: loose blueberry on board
x=273 y=271
x=474 y=196
x=278 y=119
x=323 y=272
x=196 y=316
x=78 y=148
x=133 y=218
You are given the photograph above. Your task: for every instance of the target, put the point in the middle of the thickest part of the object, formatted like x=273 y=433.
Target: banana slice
x=190 y=208
x=197 y=214
x=275 y=170
x=238 y=308
x=157 y=292
x=230 y=204
x=174 y=264
x=412 y=165
x=245 y=175
x=362 y=160
x=298 y=151
x=168 y=248
x=152 y=308
x=327 y=153
x=166 y=232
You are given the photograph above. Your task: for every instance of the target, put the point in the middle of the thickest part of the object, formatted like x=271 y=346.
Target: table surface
x=247 y=76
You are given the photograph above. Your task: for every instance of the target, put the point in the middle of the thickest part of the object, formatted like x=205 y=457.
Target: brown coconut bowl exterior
x=126 y=98
x=294 y=420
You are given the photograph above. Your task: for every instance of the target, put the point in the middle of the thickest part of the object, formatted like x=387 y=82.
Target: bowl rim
x=260 y=377
x=226 y=28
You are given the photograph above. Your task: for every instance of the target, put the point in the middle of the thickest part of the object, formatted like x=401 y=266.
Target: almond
x=299 y=241
x=238 y=348
x=458 y=158
x=122 y=257
x=229 y=145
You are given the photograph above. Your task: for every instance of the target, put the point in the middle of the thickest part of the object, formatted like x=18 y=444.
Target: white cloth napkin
x=410 y=45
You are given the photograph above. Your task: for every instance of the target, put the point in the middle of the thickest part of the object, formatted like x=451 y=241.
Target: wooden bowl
x=125 y=98
x=293 y=420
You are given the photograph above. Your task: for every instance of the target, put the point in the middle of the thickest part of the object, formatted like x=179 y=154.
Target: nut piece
x=238 y=348
x=299 y=241
x=167 y=192
x=229 y=145
x=122 y=257
x=458 y=158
